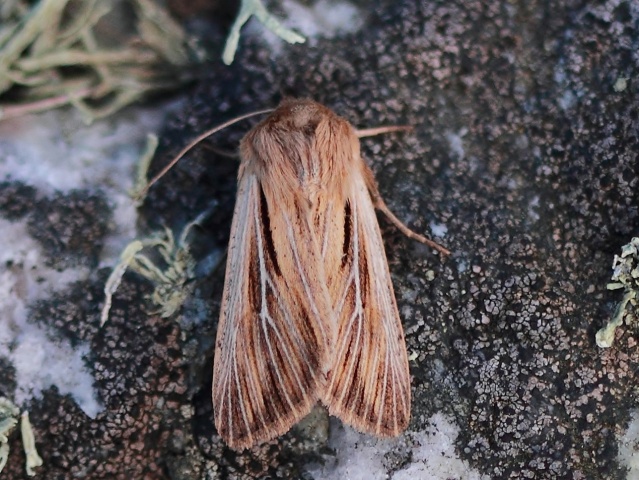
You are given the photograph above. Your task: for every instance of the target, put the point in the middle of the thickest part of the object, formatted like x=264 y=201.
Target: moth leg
x=377 y=199
x=381 y=206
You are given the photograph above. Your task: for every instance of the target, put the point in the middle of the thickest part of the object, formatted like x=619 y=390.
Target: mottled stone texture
x=522 y=148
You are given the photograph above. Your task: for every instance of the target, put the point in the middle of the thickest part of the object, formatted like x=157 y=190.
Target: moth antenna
x=193 y=143
x=221 y=152
x=370 y=132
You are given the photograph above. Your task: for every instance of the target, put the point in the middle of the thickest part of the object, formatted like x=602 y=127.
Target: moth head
x=304 y=137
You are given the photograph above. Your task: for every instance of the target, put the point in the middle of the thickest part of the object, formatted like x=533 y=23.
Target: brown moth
x=308 y=312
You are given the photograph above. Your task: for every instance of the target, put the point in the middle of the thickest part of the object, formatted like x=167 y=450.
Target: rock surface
x=523 y=159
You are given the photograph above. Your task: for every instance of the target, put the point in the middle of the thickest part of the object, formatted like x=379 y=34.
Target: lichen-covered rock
x=525 y=149
x=523 y=159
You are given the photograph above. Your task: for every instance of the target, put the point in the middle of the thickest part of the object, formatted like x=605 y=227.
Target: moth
x=308 y=310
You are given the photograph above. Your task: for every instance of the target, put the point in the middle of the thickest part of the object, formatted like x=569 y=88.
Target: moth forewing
x=368 y=385
x=276 y=318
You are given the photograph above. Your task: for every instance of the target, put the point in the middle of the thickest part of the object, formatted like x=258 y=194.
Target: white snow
x=56 y=151
x=39 y=358
x=438 y=229
x=361 y=457
x=629 y=448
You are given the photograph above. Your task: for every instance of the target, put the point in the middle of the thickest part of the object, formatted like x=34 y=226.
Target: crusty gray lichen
x=502 y=333
x=542 y=193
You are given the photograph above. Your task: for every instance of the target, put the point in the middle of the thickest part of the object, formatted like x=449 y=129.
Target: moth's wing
x=272 y=340
x=368 y=384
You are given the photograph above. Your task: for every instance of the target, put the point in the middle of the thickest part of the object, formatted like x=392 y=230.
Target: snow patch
x=361 y=457
x=57 y=152
x=39 y=358
x=629 y=447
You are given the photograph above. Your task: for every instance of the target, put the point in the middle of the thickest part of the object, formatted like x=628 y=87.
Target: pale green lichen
x=33 y=460
x=625 y=275
x=8 y=420
x=170 y=283
x=113 y=62
x=141 y=182
x=247 y=10
x=620 y=85
x=170 y=279
x=113 y=282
